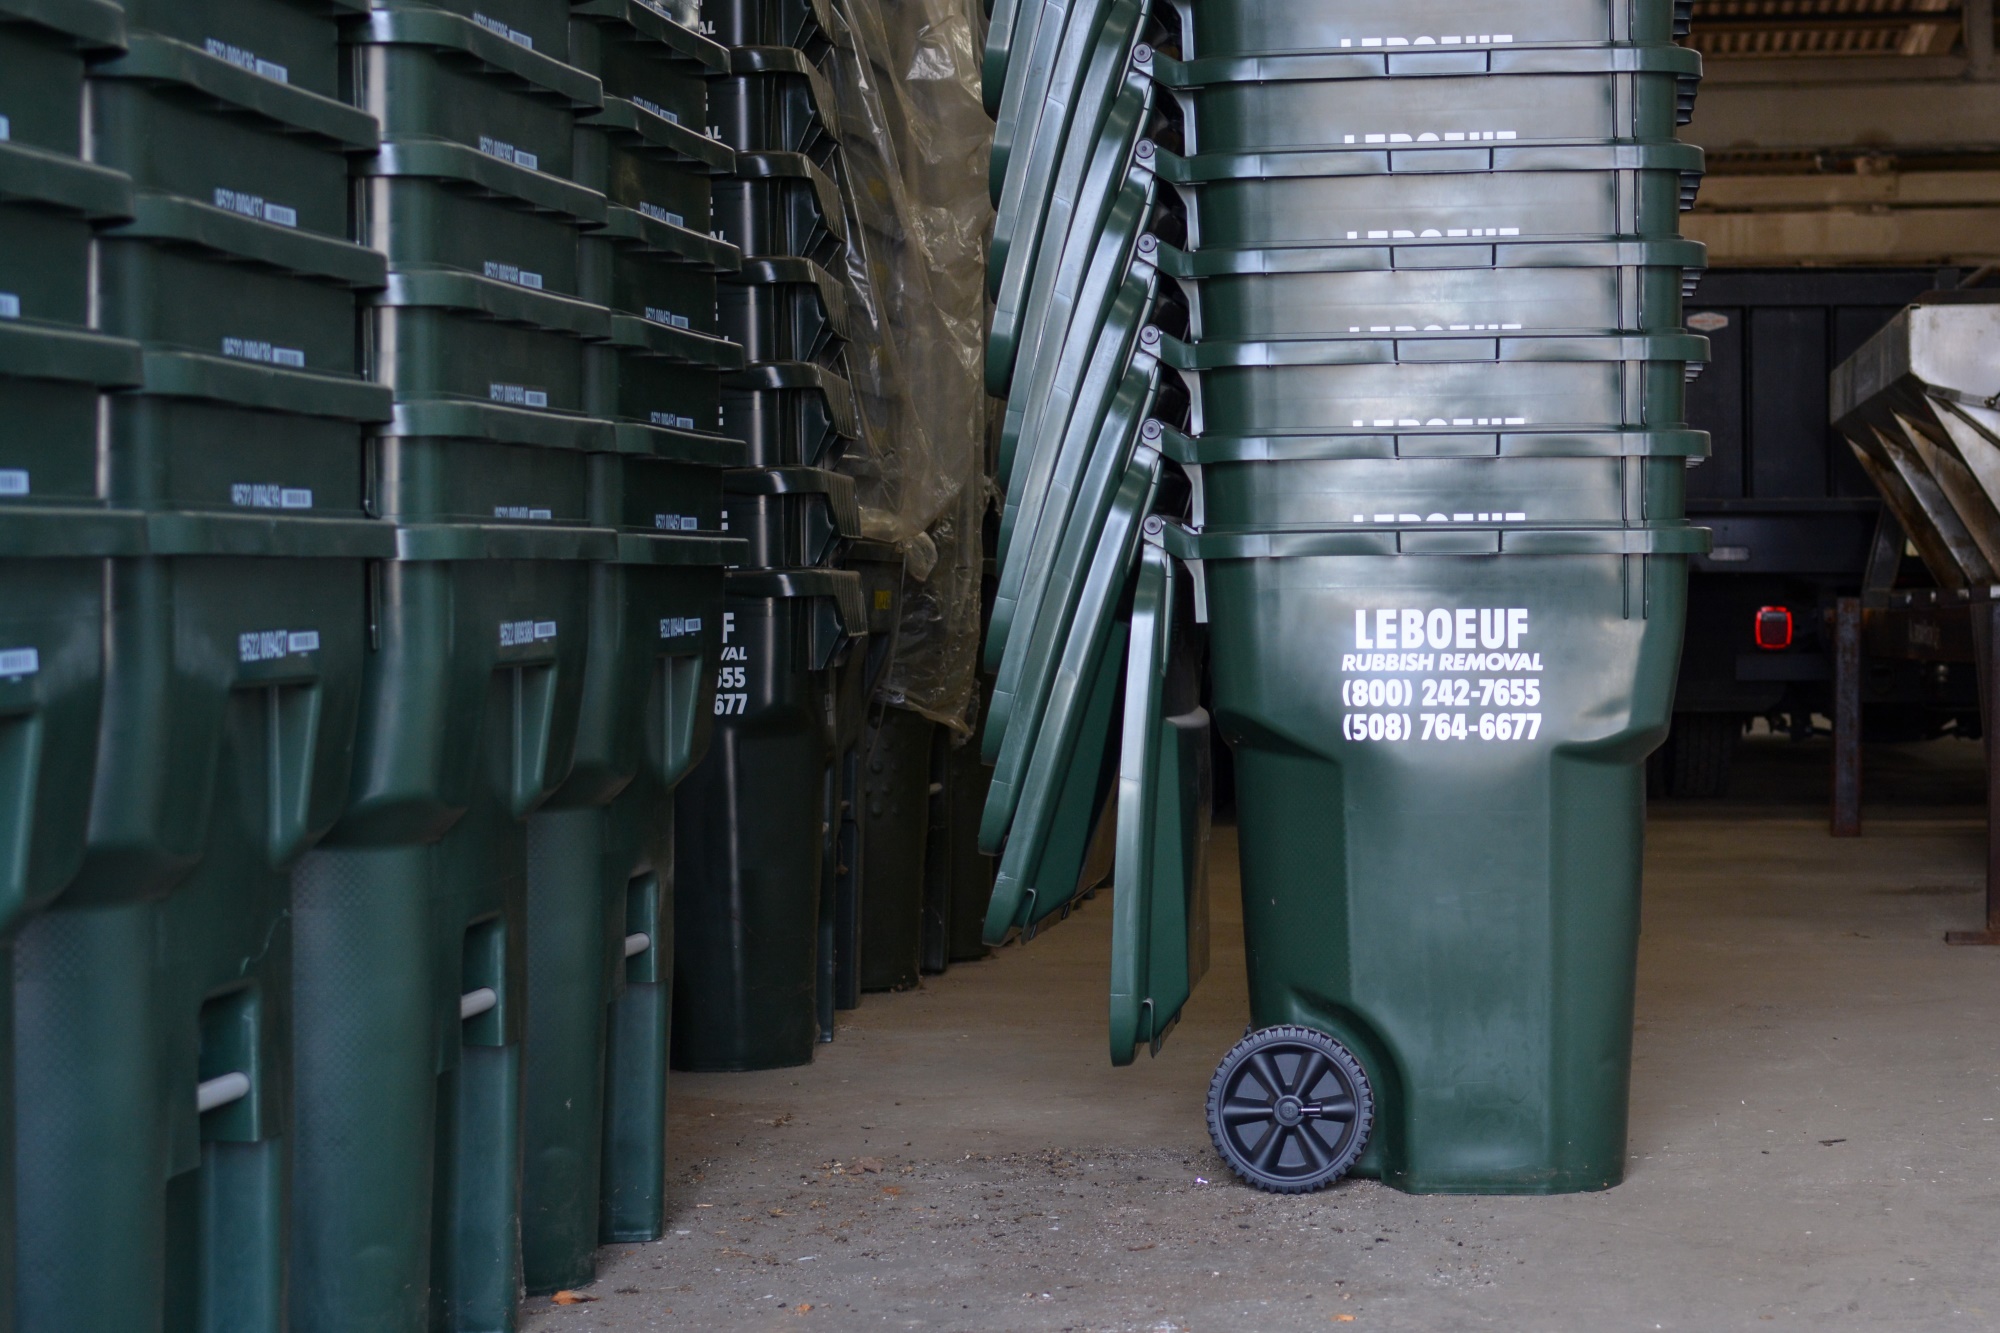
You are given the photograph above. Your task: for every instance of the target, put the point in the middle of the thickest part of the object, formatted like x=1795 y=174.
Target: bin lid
x=1077 y=74
x=1041 y=601
x=1159 y=913
x=1048 y=792
x=1080 y=306
x=1037 y=40
x=1084 y=382
x=1101 y=144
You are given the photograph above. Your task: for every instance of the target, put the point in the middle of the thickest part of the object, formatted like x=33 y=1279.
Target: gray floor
x=1815 y=1138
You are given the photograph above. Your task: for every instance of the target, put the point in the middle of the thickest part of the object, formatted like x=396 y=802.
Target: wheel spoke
x=1266 y=1069
x=1317 y=1150
x=1312 y=1068
x=1336 y=1108
x=1272 y=1148
x=1235 y=1112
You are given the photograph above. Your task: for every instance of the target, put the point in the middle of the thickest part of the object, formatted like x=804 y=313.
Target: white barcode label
x=255 y=206
x=666 y=317
x=507 y=152
x=675 y=522
x=499 y=29
x=249 y=60
x=672 y=422
x=270 y=354
x=10 y=306
x=13 y=481
x=515 y=274
x=676 y=627
x=658 y=214
x=670 y=117
x=20 y=661
x=266 y=495
x=273 y=644
x=525 y=512
x=517 y=395
x=514 y=633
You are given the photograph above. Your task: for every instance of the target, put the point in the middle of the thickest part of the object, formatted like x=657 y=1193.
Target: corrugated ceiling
x=1774 y=28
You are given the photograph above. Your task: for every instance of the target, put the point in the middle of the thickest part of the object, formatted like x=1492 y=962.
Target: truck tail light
x=1774 y=628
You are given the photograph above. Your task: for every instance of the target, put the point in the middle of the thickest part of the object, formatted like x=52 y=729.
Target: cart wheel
x=1290 y=1109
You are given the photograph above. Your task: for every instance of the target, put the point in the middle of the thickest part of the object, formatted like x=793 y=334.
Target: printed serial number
x=1449 y=692
x=1489 y=727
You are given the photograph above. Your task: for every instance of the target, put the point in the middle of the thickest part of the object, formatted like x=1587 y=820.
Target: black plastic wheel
x=1290 y=1109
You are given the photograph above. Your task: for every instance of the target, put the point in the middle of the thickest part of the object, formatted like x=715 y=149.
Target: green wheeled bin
x=751 y=825
x=600 y=909
x=51 y=699
x=151 y=1000
x=409 y=930
x=1511 y=682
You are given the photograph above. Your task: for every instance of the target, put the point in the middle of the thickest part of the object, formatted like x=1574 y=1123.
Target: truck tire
x=1698 y=754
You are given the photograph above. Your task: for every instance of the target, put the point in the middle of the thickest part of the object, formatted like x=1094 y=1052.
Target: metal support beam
x=1805 y=235
x=1986 y=642
x=1847 y=718
x=1979 y=38
x=1931 y=116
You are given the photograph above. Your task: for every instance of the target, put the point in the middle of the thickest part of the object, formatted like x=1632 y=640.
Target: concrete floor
x=1815 y=1138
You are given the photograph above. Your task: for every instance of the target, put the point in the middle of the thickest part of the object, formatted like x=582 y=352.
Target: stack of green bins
x=1074 y=347
x=54 y=536
x=761 y=822
x=410 y=922
x=152 y=998
x=600 y=851
x=1434 y=448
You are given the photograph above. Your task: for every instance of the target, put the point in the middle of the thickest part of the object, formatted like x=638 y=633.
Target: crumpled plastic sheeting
x=914 y=144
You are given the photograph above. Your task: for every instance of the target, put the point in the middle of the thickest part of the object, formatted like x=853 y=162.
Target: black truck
x=1796 y=522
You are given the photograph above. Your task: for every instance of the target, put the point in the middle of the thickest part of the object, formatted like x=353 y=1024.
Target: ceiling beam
x=1928 y=116
x=1840 y=236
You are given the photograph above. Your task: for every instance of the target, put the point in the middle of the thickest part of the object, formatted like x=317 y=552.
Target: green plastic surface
x=1044 y=587
x=1247 y=27
x=791 y=517
x=424 y=222
x=1116 y=257
x=1159 y=911
x=172 y=140
x=1096 y=47
x=1101 y=157
x=1452 y=382
x=1294 y=301
x=1051 y=780
x=789 y=413
x=600 y=914
x=749 y=824
x=230 y=696
x=292 y=42
x=781 y=309
x=1583 y=192
x=1064 y=436
x=406 y=1165
x=774 y=101
x=1362 y=922
x=41 y=88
